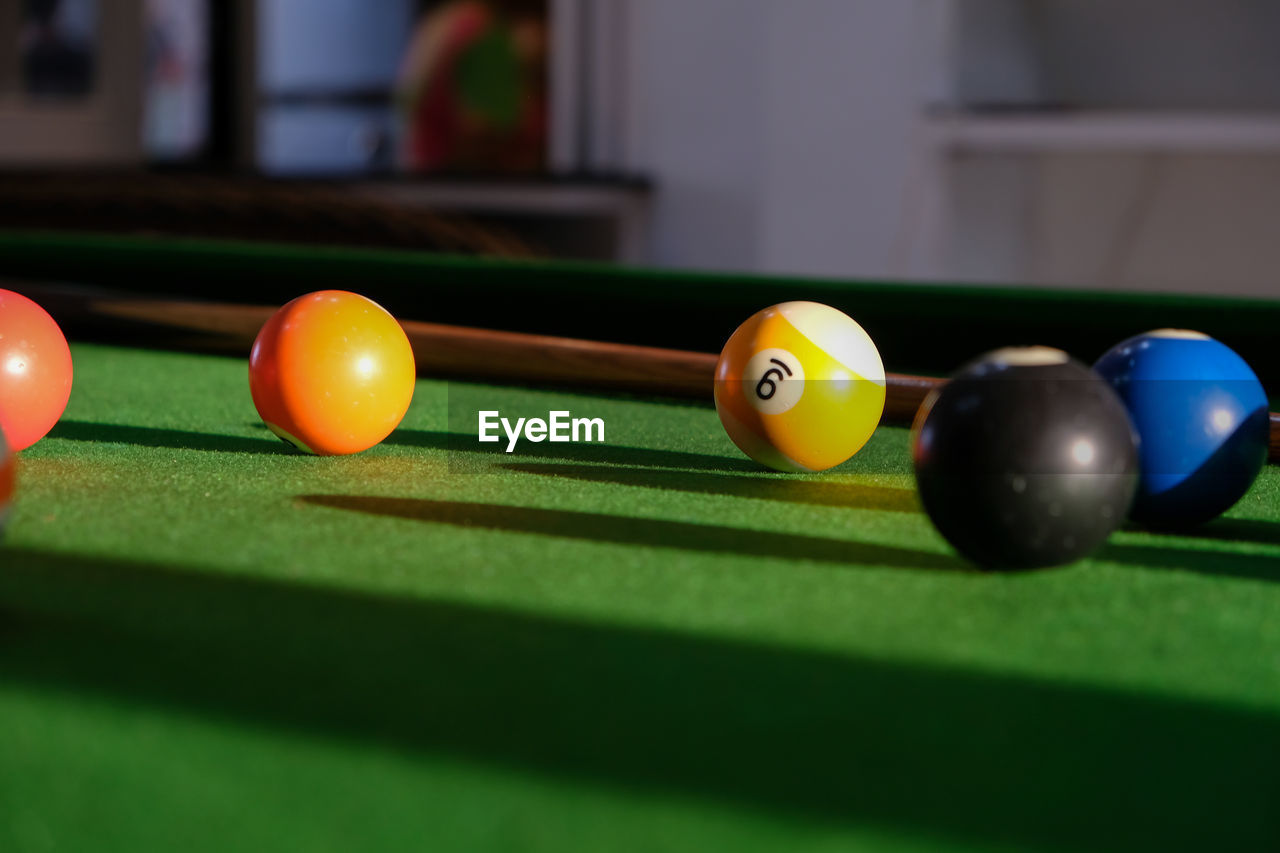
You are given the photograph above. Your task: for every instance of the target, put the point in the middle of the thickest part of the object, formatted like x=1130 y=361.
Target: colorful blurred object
x=472 y=90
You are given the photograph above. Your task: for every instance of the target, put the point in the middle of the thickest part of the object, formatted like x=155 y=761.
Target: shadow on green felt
x=800 y=490
x=1239 y=530
x=641 y=532
x=954 y=754
x=600 y=453
x=1206 y=561
x=174 y=439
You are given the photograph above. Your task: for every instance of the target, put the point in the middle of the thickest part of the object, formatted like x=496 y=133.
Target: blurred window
x=176 y=86
x=57 y=50
x=326 y=69
x=330 y=47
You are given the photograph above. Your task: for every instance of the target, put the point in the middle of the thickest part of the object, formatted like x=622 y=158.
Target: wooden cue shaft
x=444 y=350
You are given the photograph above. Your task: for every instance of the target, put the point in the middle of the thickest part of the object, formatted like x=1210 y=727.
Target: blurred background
x=1116 y=144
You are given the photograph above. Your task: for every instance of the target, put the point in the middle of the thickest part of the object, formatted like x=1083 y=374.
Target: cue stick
x=443 y=350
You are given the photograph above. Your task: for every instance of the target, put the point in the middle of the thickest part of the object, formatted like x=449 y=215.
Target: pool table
x=211 y=642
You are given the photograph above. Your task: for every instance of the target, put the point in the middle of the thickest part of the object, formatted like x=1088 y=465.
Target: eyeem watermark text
x=558 y=427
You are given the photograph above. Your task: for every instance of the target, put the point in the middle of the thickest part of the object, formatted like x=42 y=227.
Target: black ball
x=1025 y=459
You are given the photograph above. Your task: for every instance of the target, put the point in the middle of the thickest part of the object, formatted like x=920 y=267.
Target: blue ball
x=1201 y=418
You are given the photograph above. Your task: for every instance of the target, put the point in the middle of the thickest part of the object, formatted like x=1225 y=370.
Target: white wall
x=697 y=122
x=839 y=109
x=1168 y=215
x=778 y=132
x=790 y=137
x=1196 y=223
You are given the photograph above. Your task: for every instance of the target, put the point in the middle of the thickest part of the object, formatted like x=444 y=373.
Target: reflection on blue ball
x=1201 y=418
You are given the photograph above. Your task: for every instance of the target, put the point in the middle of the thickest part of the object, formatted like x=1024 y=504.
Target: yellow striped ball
x=800 y=387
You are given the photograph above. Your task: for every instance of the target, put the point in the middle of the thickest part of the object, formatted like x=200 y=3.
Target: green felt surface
x=209 y=642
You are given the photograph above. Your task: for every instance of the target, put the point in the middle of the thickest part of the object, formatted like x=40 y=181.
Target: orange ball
x=332 y=373
x=35 y=371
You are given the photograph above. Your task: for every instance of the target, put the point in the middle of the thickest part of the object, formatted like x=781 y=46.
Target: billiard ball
x=800 y=387
x=1025 y=459
x=332 y=373
x=35 y=371
x=6 y=482
x=1201 y=418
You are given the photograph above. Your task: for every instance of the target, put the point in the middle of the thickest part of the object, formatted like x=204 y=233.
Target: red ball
x=35 y=371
